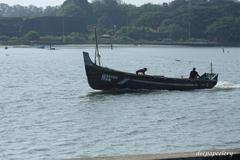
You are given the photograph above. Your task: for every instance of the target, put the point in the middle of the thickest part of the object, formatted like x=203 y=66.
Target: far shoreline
x=187 y=44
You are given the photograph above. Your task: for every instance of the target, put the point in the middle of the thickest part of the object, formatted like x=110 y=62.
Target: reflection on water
x=120 y=92
x=48 y=111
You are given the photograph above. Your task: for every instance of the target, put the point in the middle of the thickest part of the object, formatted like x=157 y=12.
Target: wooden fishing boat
x=102 y=78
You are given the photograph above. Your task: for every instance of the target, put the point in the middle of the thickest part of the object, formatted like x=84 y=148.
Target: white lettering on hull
x=108 y=78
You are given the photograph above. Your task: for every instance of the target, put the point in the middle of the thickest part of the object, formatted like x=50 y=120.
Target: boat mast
x=211 y=68
x=97 y=55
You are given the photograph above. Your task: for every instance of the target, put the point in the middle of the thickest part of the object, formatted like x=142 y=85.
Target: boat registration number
x=108 y=78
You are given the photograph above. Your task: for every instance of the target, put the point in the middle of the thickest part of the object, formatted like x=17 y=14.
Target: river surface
x=48 y=111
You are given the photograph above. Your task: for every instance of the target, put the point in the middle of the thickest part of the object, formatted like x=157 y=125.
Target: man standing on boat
x=194 y=74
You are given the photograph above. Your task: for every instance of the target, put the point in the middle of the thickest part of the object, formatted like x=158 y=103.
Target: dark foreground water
x=48 y=111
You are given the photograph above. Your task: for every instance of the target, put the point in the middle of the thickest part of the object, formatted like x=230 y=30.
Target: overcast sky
x=44 y=3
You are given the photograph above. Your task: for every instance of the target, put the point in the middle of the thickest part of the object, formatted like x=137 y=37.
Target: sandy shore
x=221 y=154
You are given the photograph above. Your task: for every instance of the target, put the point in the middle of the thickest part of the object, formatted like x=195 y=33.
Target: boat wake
x=226 y=85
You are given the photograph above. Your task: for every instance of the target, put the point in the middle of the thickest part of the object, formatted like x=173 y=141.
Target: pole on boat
x=97 y=55
x=211 y=70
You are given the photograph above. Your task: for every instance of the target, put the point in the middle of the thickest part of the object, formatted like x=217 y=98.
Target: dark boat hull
x=101 y=78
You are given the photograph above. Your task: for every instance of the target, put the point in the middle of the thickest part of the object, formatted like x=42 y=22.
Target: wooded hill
x=207 y=21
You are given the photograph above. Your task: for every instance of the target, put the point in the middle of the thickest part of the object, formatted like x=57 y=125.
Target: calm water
x=48 y=111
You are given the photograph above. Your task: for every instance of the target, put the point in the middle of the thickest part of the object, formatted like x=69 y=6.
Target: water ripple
x=48 y=111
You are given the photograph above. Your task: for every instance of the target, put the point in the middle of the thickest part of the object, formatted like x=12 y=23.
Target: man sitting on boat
x=194 y=74
x=141 y=71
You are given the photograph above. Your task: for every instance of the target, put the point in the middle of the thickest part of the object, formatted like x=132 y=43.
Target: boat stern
x=209 y=76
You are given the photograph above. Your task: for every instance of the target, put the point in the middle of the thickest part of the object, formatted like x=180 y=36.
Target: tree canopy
x=179 y=20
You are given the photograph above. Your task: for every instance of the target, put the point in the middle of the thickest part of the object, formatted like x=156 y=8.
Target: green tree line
x=210 y=21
